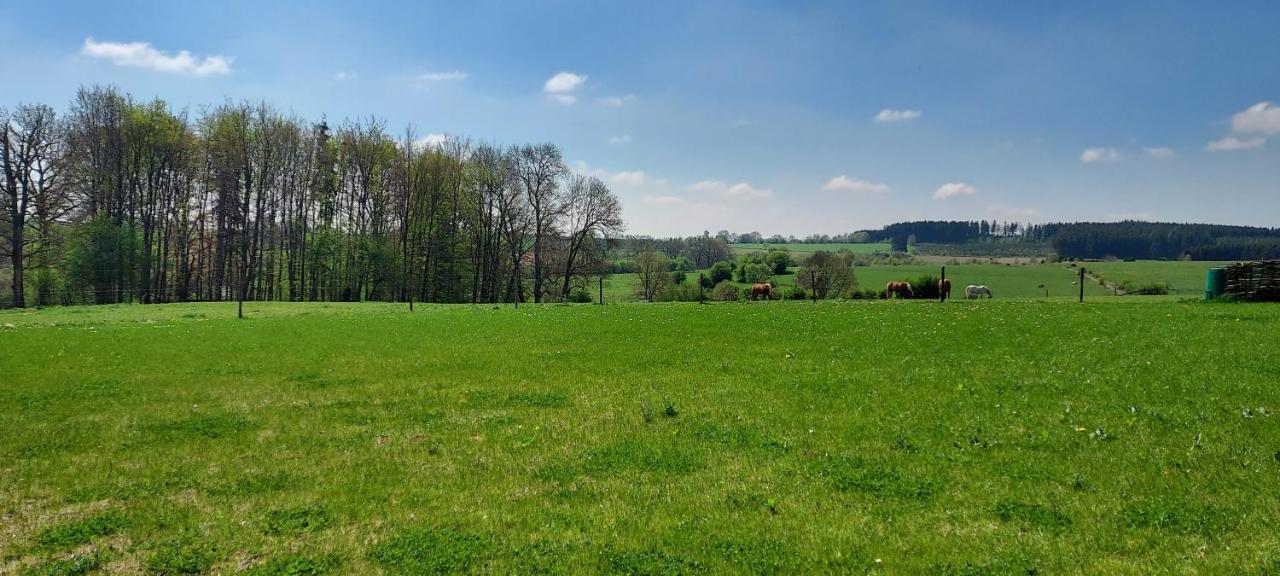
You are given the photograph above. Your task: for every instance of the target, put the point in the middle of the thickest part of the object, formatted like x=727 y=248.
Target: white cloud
x=616 y=101
x=1261 y=118
x=562 y=86
x=888 y=116
x=1161 y=152
x=143 y=55
x=953 y=189
x=629 y=178
x=1091 y=155
x=739 y=190
x=664 y=200
x=620 y=139
x=1233 y=143
x=622 y=179
x=431 y=140
x=442 y=76
x=343 y=75
x=843 y=182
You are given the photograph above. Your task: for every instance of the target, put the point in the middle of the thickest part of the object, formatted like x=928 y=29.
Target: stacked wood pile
x=1256 y=281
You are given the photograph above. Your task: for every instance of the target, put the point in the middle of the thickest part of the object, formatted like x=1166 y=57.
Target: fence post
x=601 y=289
x=700 y=288
x=1081 y=282
x=942 y=292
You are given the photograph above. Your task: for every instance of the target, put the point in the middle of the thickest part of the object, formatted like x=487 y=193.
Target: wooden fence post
x=601 y=289
x=942 y=293
x=1082 y=284
x=700 y=288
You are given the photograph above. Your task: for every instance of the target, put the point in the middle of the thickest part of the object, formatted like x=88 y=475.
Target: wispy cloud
x=1232 y=143
x=843 y=182
x=954 y=189
x=622 y=179
x=1091 y=155
x=431 y=140
x=143 y=55
x=739 y=190
x=620 y=139
x=561 y=87
x=617 y=101
x=890 y=116
x=664 y=200
x=447 y=76
x=1160 y=152
x=344 y=75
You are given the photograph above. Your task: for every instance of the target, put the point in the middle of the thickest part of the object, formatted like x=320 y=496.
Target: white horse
x=974 y=292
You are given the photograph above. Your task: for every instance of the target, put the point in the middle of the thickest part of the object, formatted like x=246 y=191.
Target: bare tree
x=825 y=274
x=591 y=211
x=654 y=270
x=537 y=168
x=30 y=155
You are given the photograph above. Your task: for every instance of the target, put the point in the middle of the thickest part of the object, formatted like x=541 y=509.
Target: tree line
x=125 y=201
x=1091 y=240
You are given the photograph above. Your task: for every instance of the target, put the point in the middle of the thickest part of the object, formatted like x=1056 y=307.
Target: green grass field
x=1182 y=277
x=803 y=250
x=1021 y=281
x=995 y=437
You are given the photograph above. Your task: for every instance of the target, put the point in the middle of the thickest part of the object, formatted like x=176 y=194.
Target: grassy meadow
x=1020 y=281
x=1182 y=277
x=994 y=437
x=801 y=251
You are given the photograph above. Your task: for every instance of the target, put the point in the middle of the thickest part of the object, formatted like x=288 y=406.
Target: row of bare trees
x=119 y=200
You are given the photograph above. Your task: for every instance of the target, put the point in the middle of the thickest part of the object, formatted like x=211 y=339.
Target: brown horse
x=945 y=288
x=765 y=290
x=901 y=289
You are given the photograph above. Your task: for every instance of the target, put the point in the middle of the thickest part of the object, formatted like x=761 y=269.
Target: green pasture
x=1022 y=281
x=994 y=437
x=1183 y=277
x=803 y=250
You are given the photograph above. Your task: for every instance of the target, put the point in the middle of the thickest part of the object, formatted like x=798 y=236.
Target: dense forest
x=125 y=201
x=1160 y=240
x=1093 y=240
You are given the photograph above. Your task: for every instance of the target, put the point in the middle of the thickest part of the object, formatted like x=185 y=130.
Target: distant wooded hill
x=1128 y=239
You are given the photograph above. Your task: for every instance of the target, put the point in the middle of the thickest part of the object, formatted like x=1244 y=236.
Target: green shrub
x=579 y=296
x=927 y=286
x=754 y=273
x=778 y=260
x=795 y=293
x=725 y=291
x=720 y=271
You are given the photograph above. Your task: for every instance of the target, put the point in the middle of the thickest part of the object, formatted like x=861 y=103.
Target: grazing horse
x=974 y=292
x=945 y=288
x=902 y=289
x=765 y=290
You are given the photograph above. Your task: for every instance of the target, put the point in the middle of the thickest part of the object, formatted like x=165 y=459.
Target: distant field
x=786 y=437
x=804 y=249
x=1183 y=277
x=1011 y=281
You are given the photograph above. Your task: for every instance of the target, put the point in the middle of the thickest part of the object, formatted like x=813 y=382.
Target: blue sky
x=787 y=117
